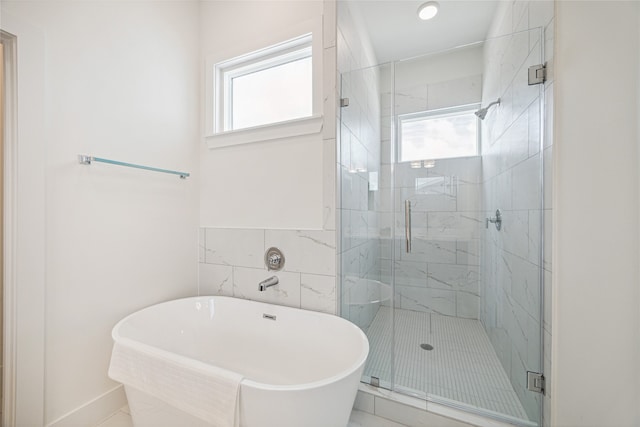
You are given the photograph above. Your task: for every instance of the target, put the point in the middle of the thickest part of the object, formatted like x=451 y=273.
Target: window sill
x=288 y=129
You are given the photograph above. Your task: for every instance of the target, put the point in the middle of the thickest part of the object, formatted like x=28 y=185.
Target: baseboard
x=95 y=411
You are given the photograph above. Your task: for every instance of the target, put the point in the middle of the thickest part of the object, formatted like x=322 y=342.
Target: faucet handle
x=274 y=259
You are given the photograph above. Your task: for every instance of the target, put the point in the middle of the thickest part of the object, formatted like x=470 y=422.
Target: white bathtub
x=300 y=370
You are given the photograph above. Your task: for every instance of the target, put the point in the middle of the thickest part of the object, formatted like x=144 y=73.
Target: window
x=269 y=86
x=438 y=134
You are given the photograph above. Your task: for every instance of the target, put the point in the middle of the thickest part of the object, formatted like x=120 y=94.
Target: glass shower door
x=365 y=226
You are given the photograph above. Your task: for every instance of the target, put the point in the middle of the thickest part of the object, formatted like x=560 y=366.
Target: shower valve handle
x=497 y=220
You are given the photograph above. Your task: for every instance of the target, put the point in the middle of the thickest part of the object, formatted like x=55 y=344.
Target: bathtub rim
x=188 y=361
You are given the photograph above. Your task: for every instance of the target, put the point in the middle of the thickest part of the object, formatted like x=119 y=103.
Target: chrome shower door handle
x=407 y=224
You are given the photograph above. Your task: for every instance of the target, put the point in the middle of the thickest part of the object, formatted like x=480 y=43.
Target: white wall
x=121 y=82
x=274 y=184
x=2 y=92
x=596 y=317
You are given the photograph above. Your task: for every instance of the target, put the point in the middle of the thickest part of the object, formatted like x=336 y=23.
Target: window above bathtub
x=266 y=87
x=268 y=93
x=438 y=134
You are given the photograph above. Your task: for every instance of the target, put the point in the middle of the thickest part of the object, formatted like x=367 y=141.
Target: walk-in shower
x=451 y=303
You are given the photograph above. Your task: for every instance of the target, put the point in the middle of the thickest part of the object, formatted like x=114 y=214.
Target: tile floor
x=462 y=366
x=122 y=418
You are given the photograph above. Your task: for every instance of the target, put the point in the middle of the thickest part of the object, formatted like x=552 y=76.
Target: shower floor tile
x=463 y=366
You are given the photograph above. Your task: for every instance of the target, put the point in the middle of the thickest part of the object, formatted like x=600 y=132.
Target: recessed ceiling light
x=428 y=10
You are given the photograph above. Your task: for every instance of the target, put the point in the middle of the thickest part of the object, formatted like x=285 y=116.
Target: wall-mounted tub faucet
x=267 y=283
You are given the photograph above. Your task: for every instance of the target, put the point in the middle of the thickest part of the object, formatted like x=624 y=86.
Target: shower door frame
x=541 y=279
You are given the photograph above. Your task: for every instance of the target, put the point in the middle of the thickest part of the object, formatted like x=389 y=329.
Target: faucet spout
x=267 y=283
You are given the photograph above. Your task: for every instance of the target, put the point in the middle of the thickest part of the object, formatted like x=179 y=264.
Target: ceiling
x=396 y=32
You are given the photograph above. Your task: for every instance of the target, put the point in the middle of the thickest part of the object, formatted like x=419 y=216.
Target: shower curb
x=412 y=411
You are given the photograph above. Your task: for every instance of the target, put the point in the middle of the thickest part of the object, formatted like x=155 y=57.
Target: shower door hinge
x=537 y=74
x=535 y=382
x=375 y=381
x=344 y=102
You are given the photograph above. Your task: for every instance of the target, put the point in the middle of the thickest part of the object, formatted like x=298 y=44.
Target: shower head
x=482 y=113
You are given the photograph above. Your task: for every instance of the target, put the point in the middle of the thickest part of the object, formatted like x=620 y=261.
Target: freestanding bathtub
x=299 y=368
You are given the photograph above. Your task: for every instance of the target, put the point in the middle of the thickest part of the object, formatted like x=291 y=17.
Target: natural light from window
x=271 y=95
x=433 y=135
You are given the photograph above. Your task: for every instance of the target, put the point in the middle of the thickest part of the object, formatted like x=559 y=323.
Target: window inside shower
x=440 y=134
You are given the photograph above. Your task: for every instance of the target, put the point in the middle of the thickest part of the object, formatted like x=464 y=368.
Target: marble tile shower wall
x=510 y=258
x=441 y=273
x=358 y=165
x=307 y=281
